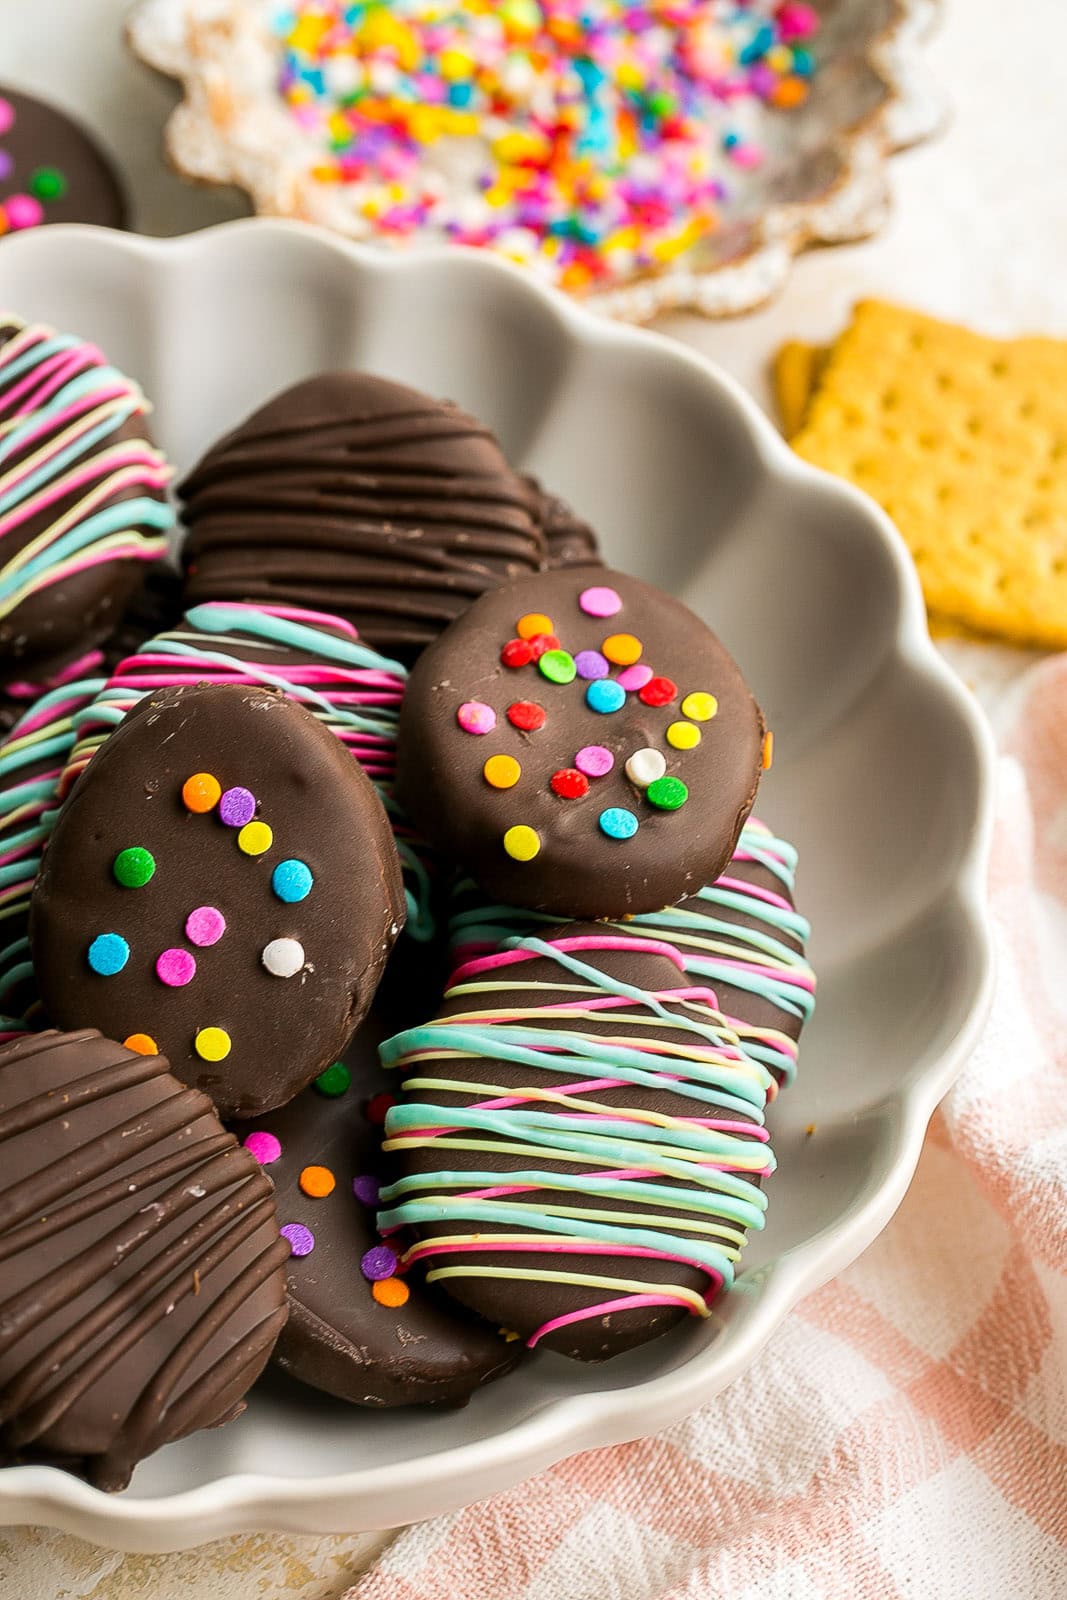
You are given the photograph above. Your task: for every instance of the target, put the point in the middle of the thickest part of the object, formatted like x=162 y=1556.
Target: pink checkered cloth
x=904 y=1434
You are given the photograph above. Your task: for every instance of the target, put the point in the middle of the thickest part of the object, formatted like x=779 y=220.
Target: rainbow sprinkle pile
x=590 y=139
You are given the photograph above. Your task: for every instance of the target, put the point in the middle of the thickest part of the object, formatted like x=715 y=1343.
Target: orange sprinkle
x=502 y=772
x=533 y=622
x=788 y=93
x=201 y=792
x=390 y=1292
x=768 y=751
x=317 y=1182
x=622 y=648
x=143 y=1043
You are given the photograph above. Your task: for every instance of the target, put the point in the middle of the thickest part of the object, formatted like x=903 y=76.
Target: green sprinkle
x=558 y=666
x=48 y=183
x=668 y=793
x=134 y=867
x=334 y=1081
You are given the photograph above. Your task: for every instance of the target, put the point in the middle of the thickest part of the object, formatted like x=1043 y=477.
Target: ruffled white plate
x=882 y=776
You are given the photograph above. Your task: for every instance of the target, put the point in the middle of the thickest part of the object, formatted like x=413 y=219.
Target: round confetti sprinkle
x=503 y=772
x=301 y=1239
x=667 y=794
x=212 y=1044
x=658 y=692
x=591 y=664
x=335 y=1081
x=475 y=717
x=522 y=843
x=7 y=115
x=767 y=756
x=379 y=1105
x=291 y=880
x=237 y=807
x=600 y=602
x=569 y=783
x=266 y=1147
x=516 y=653
x=645 y=766
x=142 y=1044
x=391 y=1292
x=378 y=1262
x=618 y=823
x=622 y=648
x=605 y=696
x=557 y=666
x=526 y=715
x=594 y=760
x=201 y=792
x=317 y=1182
x=254 y=838
x=205 y=926
x=23 y=211
x=283 y=958
x=366 y=1189
x=108 y=954
x=176 y=968
x=541 y=643
x=700 y=706
x=133 y=867
x=533 y=623
x=683 y=735
x=633 y=678
x=48 y=183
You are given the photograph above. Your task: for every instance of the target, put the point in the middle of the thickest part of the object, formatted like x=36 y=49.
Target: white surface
x=881 y=778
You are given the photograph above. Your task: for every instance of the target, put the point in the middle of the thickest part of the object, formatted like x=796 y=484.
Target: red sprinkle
x=569 y=783
x=378 y=1105
x=658 y=692
x=525 y=714
x=540 y=643
x=517 y=653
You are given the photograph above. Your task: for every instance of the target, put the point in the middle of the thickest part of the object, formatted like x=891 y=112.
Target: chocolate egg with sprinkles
x=223 y=880
x=632 y=744
x=358 y=1328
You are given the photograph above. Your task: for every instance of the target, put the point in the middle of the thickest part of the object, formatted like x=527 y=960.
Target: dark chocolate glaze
x=579 y=871
x=142 y=1284
x=569 y=540
x=322 y=811
x=43 y=137
x=362 y=497
x=525 y=1306
x=339 y=1338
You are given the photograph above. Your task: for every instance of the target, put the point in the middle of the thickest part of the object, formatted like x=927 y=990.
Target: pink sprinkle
x=176 y=968
x=475 y=717
x=23 y=211
x=205 y=926
x=594 y=760
x=7 y=115
x=633 y=678
x=797 y=22
x=747 y=156
x=264 y=1146
x=599 y=602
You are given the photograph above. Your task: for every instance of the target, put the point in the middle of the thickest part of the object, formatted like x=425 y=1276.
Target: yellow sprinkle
x=254 y=838
x=700 y=706
x=683 y=735
x=522 y=843
x=212 y=1044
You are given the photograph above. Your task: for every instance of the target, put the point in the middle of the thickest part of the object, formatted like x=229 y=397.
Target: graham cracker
x=963 y=440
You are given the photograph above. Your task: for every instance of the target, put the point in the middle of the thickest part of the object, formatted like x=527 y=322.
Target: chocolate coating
x=339 y=1338
x=42 y=141
x=142 y=1284
x=578 y=869
x=516 y=1134
x=95 y=509
x=359 y=496
x=287 y=772
x=569 y=540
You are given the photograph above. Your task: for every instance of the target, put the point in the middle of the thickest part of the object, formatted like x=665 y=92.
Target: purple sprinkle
x=591 y=664
x=366 y=1190
x=237 y=807
x=7 y=165
x=378 y=1262
x=301 y=1239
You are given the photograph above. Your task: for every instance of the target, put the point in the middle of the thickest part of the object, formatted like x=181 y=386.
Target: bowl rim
x=374 y=1497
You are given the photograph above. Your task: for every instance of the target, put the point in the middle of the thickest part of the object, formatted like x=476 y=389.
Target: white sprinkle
x=283 y=957
x=645 y=766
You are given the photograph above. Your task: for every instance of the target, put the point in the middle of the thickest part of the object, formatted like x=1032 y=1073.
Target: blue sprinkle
x=803 y=62
x=460 y=94
x=606 y=695
x=760 y=42
x=291 y=880
x=108 y=954
x=618 y=823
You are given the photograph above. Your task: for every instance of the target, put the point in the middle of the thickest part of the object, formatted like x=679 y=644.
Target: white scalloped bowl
x=882 y=777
